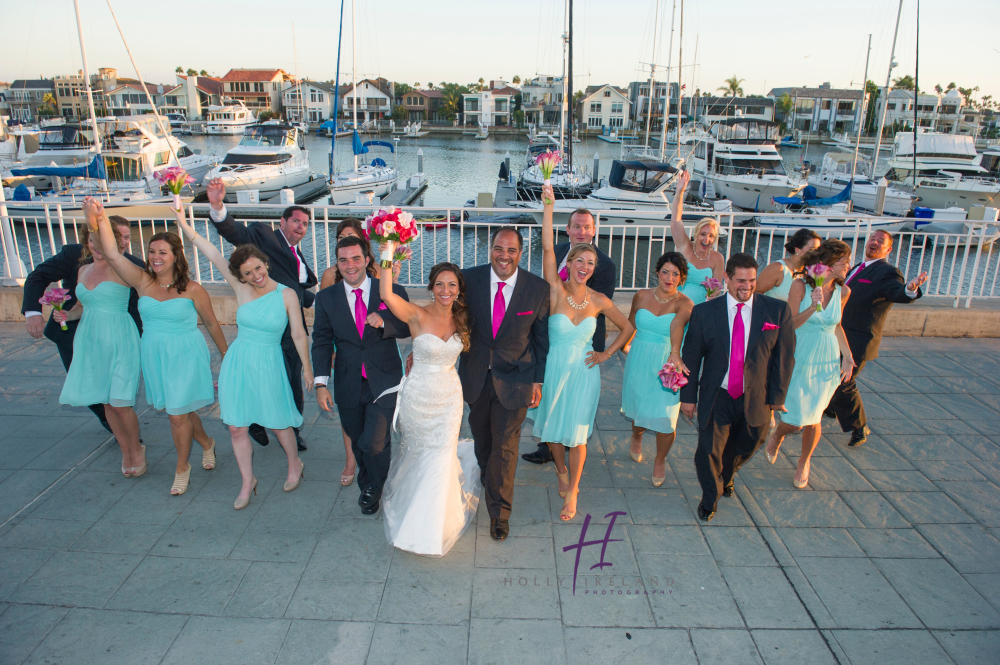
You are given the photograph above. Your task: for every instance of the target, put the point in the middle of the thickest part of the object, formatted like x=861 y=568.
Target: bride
x=432 y=491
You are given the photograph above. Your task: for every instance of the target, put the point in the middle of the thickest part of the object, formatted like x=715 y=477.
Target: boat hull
x=944 y=197
x=751 y=194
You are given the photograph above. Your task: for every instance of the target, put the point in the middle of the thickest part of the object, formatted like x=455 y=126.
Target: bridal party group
x=754 y=353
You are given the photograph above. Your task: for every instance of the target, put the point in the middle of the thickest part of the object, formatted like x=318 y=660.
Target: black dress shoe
x=729 y=490
x=372 y=509
x=259 y=434
x=540 y=456
x=499 y=529
x=369 y=497
x=829 y=413
x=859 y=436
x=704 y=514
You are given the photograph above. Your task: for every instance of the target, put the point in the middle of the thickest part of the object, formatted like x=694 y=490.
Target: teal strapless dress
x=781 y=290
x=176 y=366
x=692 y=287
x=644 y=399
x=253 y=384
x=571 y=391
x=105 y=367
x=817 y=363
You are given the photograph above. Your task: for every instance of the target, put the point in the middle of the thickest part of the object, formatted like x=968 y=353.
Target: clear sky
x=770 y=43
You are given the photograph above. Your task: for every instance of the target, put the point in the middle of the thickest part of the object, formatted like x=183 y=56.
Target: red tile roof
x=253 y=74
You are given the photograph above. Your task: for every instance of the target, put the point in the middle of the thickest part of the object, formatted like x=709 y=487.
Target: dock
x=410 y=192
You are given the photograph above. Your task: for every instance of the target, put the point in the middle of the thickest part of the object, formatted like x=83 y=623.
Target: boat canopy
x=950 y=146
x=640 y=176
x=745 y=130
x=93 y=170
x=809 y=198
x=362 y=148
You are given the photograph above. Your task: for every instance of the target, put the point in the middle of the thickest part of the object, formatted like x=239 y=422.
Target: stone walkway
x=890 y=556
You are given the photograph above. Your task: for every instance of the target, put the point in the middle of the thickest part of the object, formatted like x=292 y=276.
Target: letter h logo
x=583 y=542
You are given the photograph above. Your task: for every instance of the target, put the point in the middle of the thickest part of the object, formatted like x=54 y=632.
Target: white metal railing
x=962 y=266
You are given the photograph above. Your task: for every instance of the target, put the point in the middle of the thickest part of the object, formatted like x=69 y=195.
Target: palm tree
x=480 y=83
x=903 y=83
x=451 y=99
x=516 y=80
x=203 y=73
x=179 y=70
x=938 y=89
x=732 y=87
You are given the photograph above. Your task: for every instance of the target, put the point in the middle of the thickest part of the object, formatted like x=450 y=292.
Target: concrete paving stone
x=955 y=471
x=688 y=592
x=23 y=627
x=265 y=590
x=96 y=636
x=980 y=500
x=970 y=647
x=319 y=642
x=413 y=644
x=520 y=593
x=424 y=592
x=929 y=447
x=991 y=470
x=775 y=478
x=899 y=427
x=182 y=586
x=79 y=579
x=905 y=366
x=837 y=474
x=206 y=529
x=86 y=497
x=981 y=446
x=915 y=405
x=739 y=546
x=899 y=481
x=972 y=408
x=619 y=551
x=890 y=647
x=526 y=642
x=938 y=595
x=875 y=454
x=530 y=515
x=40 y=534
x=17 y=565
x=225 y=641
x=117 y=538
x=729 y=511
x=17 y=452
x=765 y=597
x=968 y=547
x=874 y=510
x=515 y=552
x=275 y=545
x=649 y=539
x=351 y=550
x=879 y=408
x=19 y=490
x=34 y=405
x=598 y=502
x=805 y=508
x=856 y=594
x=943 y=366
x=68 y=452
x=722 y=647
x=952 y=428
x=619 y=601
x=307 y=508
x=335 y=601
x=879 y=380
x=894 y=544
x=658 y=506
x=792 y=647
x=612 y=646
x=819 y=542
x=927 y=508
x=988 y=586
x=969 y=383
x=630 y=474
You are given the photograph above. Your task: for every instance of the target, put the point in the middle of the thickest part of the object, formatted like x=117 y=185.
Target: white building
x=489 y=108
x=604 y=106
x=374 y=100
x=941 y=113
x=822 y=109
x=129 y=99
x=316 y=104
x=541 y=98
x=191 y=96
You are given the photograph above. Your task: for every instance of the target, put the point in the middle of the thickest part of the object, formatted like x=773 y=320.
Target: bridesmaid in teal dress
x=776 y=279
x=105 y=367
x=660 y=316
x=564 y=418
x=176 y=365
x=253 y=387
x=699 y=250
x=822 y=357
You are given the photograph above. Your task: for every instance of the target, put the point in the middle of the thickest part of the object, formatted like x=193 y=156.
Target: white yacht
x=835 y=173
x=989 y=159
x=232 y=117
x=566 y=183
x=738 y=161
x=269 y=158
x=377 y=177
x=949 y=172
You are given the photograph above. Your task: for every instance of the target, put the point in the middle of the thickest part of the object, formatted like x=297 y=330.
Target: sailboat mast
x=569 y=87
x=652 y=70
x=670 y=55
x=680 y=86
x=90 y=92
x=864 y=104
x=916 y=99
x=295 y=54
x=885 y=101
x=562 y=105
x=354 y=70
x=336 y=94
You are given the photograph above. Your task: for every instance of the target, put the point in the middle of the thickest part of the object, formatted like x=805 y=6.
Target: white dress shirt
x=508 y=289
x=366 y=289
x=731 y=303
x=909 y=292
x=219 y=216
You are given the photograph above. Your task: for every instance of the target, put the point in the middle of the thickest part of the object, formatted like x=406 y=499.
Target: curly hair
x=677 y=260
x=86 y=256
x=241 y=255
x=181 y=276
x=829 y=252
x=459 y=308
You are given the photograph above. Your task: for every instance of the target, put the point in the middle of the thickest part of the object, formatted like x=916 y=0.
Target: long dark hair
x=355 y=225
x=677 y=260
x=459 y=308
x=241 y=255
x=181 y=276
x=829 y=252
x=800 y=239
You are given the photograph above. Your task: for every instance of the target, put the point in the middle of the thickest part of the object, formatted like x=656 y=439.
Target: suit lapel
x=374 y=297
x=515 y=301
x=287 y=256
x=756 y=322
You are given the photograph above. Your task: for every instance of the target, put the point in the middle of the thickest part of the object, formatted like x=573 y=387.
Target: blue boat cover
x=384 y=144
x=22 y=193
x=93 y=170
x=809 y=198
x=356 y=144
x=329 y=124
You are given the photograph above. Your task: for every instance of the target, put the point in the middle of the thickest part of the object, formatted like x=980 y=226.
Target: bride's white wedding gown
x=432 y=491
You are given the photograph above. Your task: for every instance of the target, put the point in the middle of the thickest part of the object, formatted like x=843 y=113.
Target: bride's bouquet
x=175 y=179
x=390 y=229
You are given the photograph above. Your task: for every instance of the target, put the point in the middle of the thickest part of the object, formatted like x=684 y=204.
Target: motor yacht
x=231 y=117
x=835 y=174
x=270 y=157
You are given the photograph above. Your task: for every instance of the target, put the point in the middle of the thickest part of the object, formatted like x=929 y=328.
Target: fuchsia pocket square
x=770 y=326
x=865 y=281
x=524 y=313
x=381 y=305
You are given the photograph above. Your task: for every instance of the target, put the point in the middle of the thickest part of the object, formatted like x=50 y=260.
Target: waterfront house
x=26 y=96
x=941 y=113
x=259 y=89
x=423 y=106
x=316 y=104
x=4 y=99
x=374 y=99
x=130 y=99
x=643 y=107
x=541 y=98
x=604 y=106
x=822 y=109
x=191 y=96
x=71 y=96
x=489 y=108
x=712 y=109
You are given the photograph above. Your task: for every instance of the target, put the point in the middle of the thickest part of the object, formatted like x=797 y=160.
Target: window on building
x=607 y=93
x=891 y=107
x=826 y=104
x=748 y=110
x=594 y=121
x=805 y=106
x=846 y=107
x=471 y=104
x=616 y=122
x=595 y=107
x=617 y=107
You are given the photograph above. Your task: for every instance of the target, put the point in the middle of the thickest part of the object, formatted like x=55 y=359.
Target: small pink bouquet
x=390 y=229
x=547 y=162
x=174 y=178
x=56 y=297
x=712 y=286
x=403 y=253
x=672 y=378
x=818 y=272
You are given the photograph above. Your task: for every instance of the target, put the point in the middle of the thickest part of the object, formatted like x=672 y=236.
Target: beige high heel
x=240 y=504
x=636 y=457
x=126 y=472
x=143 y=468
x=566 y=515
x=291 y=487
x=563 y=478
x=208 y=457
x=181 y=481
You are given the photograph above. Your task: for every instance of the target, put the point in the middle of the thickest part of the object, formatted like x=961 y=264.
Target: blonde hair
x=581 y=248
x=702 y=223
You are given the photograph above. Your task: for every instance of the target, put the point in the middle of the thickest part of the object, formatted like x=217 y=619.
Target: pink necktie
x=360 y=314
x=499 y=306
x=298 y=263
x=564 y=274
x=855 y=273
x=737 y=355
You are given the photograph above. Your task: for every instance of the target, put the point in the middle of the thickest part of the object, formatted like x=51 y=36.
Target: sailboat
x=377 y=179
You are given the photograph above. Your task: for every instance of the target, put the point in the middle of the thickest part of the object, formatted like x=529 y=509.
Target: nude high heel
x=208 y=457
x=563 y=478
x=291 y=487
x=240 y=504
x=566 y=515
x=143 y=468
x=181 y=481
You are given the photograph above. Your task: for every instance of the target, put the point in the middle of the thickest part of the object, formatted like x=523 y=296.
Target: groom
x=740 y=350
x=367 y=363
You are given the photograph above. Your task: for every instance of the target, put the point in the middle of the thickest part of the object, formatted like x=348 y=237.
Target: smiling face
x=126 y=240
x=295 y=226
x=581 y=268
x=841 y=267
x=705 y=240
x=505 y=254
x=93 y=248
x=253 y=271
x=742 y=284
x=669 y=277
x=812 y=244
x=878 y=246
x=581 y=228
x=161 y=257
x=445 y=288
x=352 y=264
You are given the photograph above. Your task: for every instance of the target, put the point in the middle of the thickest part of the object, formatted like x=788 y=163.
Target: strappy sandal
x=563 y=478
x=208 y=457
x=143 y=468
x=348 y=480
x=566 y=515
x=181 y=482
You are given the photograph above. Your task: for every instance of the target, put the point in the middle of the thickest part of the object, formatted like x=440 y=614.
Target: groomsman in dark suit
x=875 y=287
x=582 y=228
x=287 y=266
x=740 y=351
x=367 y=363
x=64 y=266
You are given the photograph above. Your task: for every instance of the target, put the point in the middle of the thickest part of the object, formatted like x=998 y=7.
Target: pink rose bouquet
x=818 y=272
x=174 y=178
x=672 y=378
x=712 y=286
x=547 y=162
x=390 y=228
x=56 y=297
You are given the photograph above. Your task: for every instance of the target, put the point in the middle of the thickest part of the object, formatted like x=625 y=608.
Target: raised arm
x=404 y=311
x=682 y=243
x=210 y=251
x=235 y=234
x=550 y=267
x=132 y=274
x=299 y=337
x=893 y=287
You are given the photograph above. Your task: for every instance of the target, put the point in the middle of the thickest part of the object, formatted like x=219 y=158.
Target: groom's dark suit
x=366 y=422
x=497 y=374
x=730 y=430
